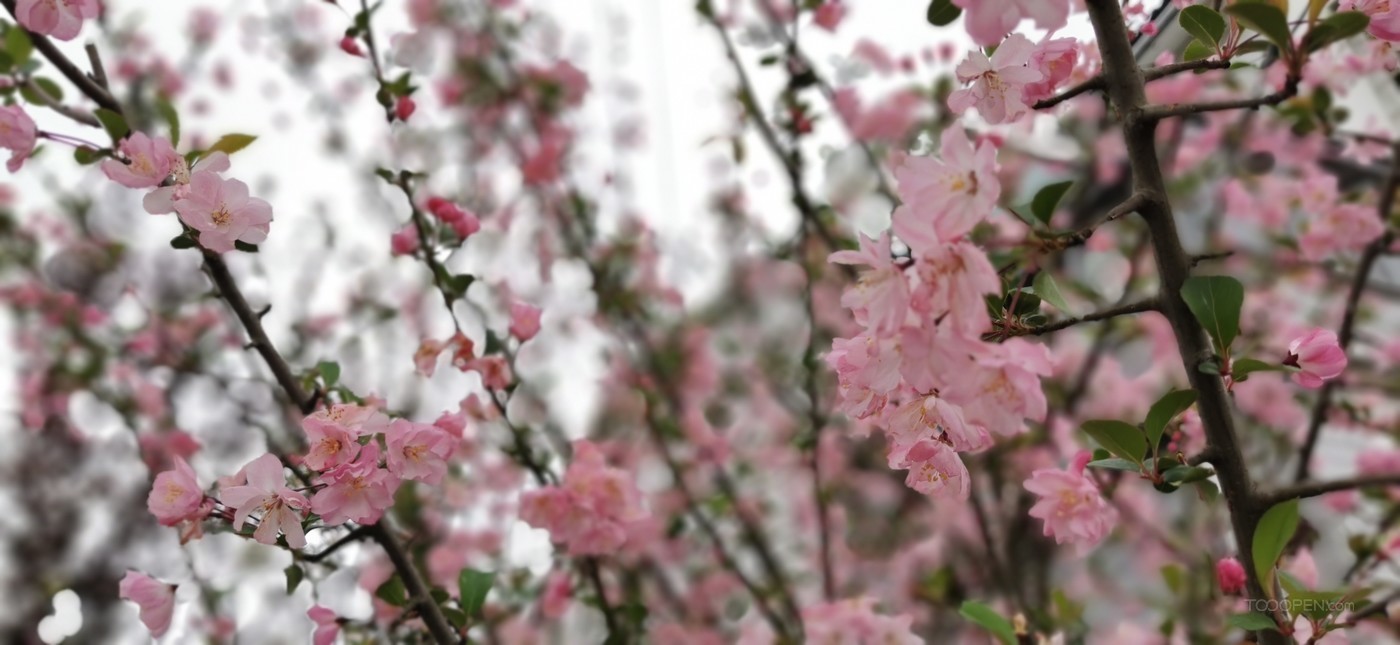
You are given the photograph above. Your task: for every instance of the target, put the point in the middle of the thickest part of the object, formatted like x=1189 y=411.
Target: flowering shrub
x=1120 y=388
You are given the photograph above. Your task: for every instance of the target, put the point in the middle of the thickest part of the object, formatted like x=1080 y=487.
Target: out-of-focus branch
x=1314 y=489
x=1159 y=112
x=1151 y=74
x=1346 y=332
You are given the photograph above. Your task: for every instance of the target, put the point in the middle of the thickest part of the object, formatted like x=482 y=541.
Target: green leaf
x=1175 y=577
x=1203 y=23
x=457 y=617
x=1216 y=302
x=1049 y=291
x=990 y=620
x=1196 y=50
x=113 y=123
x=1163 y=411
x=942 y=13
x=182 y=241
x=1337 y=27
x=1241 y=368
x=294 y=577
x=1265 y=19
x=329 y=371
x=87 y=156
x=245 y=247
x=1207 y=490
x=18 y=45
x=1187 y=474
x=392 y=592
x=231 y=143
x=1122 y=439
x=1252 y=621
x=172 y=119
x=1116 y=464
x=1272 y=534
x=50 y=89
x=473 y=586
x=1047 y=198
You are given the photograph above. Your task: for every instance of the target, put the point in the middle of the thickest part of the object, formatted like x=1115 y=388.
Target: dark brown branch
x=1130 y=205
x=349 y=538
x=1158 y=112
x=1347 y=331
x=1149 y=304
x=419 y=593
x=1097 y=83
x=1314 y=489
x=1127 y=91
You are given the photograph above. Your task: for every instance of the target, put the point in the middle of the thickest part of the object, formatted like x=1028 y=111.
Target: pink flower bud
x=524 y=320
x=1230 y=573
x=351 y=46
x=1317 y=356
x=405 y=241
x=405 y=108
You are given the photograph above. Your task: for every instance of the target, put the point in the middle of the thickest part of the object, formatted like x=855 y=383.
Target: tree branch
x=1097 y=83
x=1127 y=91
x=1314 y=489
x=1347 y=331
x=1149 y=304
x=1159 y=112
x=66 y=67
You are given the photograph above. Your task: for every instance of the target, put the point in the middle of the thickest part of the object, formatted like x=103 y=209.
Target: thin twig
x=1314 y=489
x=1148 y=304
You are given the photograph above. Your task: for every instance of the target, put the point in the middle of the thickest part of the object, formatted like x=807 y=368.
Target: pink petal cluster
x=176 y=496
x=829 y=14
x=18 y=134
x=266 y=492
x=62 y=19
x=148 y=162
x=593 y=510
x=1318 y=357
x=223 y=212
x=358 y=491
x=1385 y=17
x=990 y=20
x=855 y=621
x=524 y=320
x=418 y=451
x=1230 y=574
x=944 y=197
x=463 y=222
x=155 y=598
x=998 y=84
x=327 y=625
x=1055 y=60
x=1071 y=506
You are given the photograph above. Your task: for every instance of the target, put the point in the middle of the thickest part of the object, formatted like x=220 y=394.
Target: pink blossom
x=223 y=213
x=1055 y=59
x=880 y=299
x=62 y=19
x=943 y=198
x=1339 y=228
x=935 y=470
x=405 y=107
x=331 y=444
x=175 y=495
x=998 y=84
x=954 y=279
x=592 y=511
x=930 y=418
x=495 y=371
x=1385 y=17
x=155 y=598
x=867 y=369
x=349 y=45
x=404 y=241
x=855 y=621
x=327 y=625
x=554 y=600
x=1006 y=389
x=989 y=20
x=359 y=491
x=151 y=161
x=830 y=14
x=358 y=420
x=162 y=200
x=1071 y=506
x=267 y=492
x=417 y=451
x=1317 y=356
x=1230 y=574
x=17 y=134
x=426 y=356
x=524 y=320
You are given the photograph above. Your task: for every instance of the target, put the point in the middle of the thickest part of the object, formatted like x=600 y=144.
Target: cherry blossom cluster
x=595 y=509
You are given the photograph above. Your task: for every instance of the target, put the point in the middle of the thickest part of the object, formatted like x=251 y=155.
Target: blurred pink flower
x=156 y=599
x=1317 y=356
x=1071 y=506
x=327 y=625
x=62 y=19
x=18 y=134
x=151 y=162
x=175 y=495
x=989 y=20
